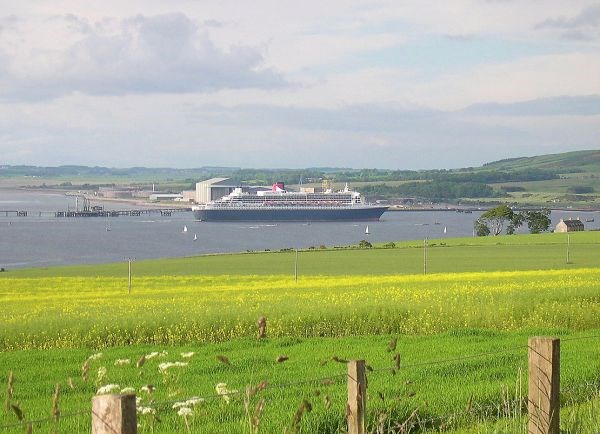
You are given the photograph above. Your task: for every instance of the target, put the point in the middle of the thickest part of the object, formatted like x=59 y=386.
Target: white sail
x=367 y=230
x=195 y=237
x=184 y=228
x=445 y=229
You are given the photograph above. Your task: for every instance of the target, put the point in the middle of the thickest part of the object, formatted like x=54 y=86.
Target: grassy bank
x=502 y=253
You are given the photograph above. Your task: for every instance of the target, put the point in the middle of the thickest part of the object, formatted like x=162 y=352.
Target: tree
x=537 y=221
x=497 y=217
x=481 y=229
x=515 y=222
x=364 y=244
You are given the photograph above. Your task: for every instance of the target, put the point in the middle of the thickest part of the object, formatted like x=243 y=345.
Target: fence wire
x=41 y=421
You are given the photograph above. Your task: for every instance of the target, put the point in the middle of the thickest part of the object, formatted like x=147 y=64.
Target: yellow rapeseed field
x=99 y=312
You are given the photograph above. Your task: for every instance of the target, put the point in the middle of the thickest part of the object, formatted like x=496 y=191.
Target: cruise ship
x=278 y=204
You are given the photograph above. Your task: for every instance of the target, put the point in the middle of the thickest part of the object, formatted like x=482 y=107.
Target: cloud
x=563 y=105
x=583 y=26
x=588 y=17
x=166 y=53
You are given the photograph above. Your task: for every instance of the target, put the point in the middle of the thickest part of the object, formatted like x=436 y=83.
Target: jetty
x=95 y=212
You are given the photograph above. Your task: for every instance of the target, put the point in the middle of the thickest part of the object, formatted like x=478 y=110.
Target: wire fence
x=504 y=408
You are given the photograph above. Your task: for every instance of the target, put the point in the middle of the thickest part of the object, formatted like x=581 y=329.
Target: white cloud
x=158 y=54
x=188 y=83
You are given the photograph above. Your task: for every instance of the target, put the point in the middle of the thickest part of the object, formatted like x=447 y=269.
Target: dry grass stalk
x=254 y=416
x=261 y=323
x=70 y=383
x=85 y=370
x=397 y=361
x=305 y=407
x=9 y=390
x=392 y=345
x=141 y=361
x=55 y=403
x=223 y=359
x=18 y=412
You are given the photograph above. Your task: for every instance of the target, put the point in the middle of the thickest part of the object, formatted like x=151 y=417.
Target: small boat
x=436 y=222
x=445 y=229
x=367 y=230
x=195 y=237
x=589 y=220
x=184 y=229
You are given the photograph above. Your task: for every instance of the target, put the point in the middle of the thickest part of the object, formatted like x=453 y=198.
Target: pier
x=95 y=212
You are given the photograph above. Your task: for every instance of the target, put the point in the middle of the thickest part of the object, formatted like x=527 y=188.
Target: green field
x=516 y=252
x=481 y=297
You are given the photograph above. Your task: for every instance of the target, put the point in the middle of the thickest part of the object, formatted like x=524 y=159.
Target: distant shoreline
x=393 y=208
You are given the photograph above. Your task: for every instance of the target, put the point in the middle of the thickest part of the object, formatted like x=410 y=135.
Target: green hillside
x=567 y=162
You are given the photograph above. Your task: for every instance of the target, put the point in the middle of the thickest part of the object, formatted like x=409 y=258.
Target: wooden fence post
x=544 y=385
x=356 y=408
x=114 y=414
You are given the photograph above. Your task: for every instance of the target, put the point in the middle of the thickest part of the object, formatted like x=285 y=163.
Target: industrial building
x=214 y=188
x=160 y=197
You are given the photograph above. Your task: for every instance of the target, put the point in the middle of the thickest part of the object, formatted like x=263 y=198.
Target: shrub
x=364 y=244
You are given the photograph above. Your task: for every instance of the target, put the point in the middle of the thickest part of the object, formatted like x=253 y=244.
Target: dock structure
x=95 y=212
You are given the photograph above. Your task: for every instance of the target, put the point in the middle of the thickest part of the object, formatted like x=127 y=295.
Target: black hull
x=298 y=215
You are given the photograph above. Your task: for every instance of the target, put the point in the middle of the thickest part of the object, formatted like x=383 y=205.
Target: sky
x=396 y=84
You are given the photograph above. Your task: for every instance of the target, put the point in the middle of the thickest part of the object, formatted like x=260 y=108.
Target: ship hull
x=283 y=214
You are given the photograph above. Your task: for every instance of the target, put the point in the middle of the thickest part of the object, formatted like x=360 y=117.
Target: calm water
x=36 y=241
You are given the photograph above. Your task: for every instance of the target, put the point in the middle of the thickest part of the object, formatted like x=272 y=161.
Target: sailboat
x=367 y=230
x=184 y=228
x=195 y=237
x=445 y=229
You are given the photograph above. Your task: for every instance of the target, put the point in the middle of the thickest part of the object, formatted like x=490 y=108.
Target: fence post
x=356 y=408
x=114 y=414
x=544 y=385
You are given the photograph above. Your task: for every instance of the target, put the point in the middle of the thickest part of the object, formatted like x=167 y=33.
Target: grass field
x=503 y=253
x=491 y=382
x=347 y=303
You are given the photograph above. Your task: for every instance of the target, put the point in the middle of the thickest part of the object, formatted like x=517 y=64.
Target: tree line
x=495 y=220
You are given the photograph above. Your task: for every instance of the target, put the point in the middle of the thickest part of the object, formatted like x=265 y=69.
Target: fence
x=117 y=413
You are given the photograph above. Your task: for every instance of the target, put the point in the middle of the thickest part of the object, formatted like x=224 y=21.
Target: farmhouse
x=569 y=226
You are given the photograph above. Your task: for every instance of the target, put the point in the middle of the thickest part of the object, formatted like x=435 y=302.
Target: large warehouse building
x=214 y=188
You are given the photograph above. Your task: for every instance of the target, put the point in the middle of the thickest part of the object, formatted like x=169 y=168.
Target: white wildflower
x=94 y=356
x=146 y=410
x=151 y=355
x=101 y=373
x=109 y=388
x=138 y=401
x=185 y=411
x=194 y=400
x=179 y=404
x=222 y=390
x=121 y=362
x=187 y=355
x=163 y=353
x=127 y=390
x=166 y=365
x=149 y=388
